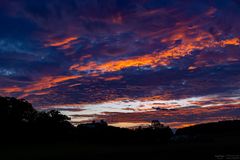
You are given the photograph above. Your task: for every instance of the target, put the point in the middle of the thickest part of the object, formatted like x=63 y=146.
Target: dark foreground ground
x=224 y=147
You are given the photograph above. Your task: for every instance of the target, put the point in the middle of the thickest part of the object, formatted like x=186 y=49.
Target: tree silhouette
x=57 y=116
x=19 y=111
x=13 y=110
x=156 y=124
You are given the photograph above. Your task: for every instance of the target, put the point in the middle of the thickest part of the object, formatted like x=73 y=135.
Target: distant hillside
x=222 y=127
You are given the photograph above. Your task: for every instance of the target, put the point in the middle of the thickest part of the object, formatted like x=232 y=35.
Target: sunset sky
x=126 y=61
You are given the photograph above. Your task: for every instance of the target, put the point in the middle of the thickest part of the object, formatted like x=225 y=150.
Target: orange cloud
x=117 y=19
x=63 y=42
x=163 y=58
x=113 y=78
x=11 y=89
x=211 y=11
x=37 y=88
x=89 y=66
x=233 y=41
x=87 y=56
x=215 y=58
x=48 y=82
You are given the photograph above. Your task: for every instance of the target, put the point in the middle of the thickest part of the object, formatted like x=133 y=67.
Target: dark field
x=223 y=147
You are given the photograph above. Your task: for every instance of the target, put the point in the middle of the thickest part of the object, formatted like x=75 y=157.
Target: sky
x=126 y=61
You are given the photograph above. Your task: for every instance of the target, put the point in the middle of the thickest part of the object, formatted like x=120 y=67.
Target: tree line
x=20 y=122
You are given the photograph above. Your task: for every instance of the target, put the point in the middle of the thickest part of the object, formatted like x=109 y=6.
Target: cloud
x=162 y=58
x=56 y=53
x=64 y=42
x=178 y=118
